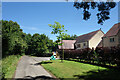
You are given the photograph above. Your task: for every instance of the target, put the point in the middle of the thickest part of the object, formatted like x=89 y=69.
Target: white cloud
x=33 y=29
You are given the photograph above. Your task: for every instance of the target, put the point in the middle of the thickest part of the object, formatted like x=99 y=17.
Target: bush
x=104 y=55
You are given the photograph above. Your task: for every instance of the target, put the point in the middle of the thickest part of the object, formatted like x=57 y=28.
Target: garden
x=101 y=56
x=103 y=63
x=82 y=71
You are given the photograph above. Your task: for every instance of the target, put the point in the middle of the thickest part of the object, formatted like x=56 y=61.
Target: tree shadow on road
x=43 y=62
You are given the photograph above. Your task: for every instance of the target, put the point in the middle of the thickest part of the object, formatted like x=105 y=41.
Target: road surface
x=29 y=68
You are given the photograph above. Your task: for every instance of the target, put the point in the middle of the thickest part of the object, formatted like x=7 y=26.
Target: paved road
x=29 y=68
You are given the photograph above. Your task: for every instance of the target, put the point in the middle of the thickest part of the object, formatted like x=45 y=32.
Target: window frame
x=84 y=44
x=112 y=39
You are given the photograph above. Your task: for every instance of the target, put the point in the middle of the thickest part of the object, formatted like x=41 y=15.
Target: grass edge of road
x=53 y=76
x=16 y=67
x=9 y=65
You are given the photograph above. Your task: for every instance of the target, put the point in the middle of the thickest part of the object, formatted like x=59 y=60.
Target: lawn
x=82 y=71
x=9 y=65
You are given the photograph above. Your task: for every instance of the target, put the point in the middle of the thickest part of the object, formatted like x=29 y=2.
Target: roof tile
x=86 y=37
x=113 y=31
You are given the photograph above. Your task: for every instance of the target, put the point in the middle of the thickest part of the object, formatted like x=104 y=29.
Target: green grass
x=82 y=71
x=9 y=64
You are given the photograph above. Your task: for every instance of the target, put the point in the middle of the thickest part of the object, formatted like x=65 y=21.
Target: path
x=29 y=68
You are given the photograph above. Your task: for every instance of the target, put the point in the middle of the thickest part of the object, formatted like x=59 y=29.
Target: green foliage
x=96 y=56
x=68 y=37
x=12 y=38
x=103 y=9
x=58 y=29
x=17 y=42
x=9 y=64
x=40 y=44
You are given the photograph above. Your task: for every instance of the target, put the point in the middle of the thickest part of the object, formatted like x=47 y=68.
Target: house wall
x=81 y=45
x=107 y=43
x=119 y=37
x=68 y=44
x=95 y=40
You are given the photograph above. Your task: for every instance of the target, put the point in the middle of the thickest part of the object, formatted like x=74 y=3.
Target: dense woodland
x=15 y=41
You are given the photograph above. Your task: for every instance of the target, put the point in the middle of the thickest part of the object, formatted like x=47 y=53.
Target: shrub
x=105 y=55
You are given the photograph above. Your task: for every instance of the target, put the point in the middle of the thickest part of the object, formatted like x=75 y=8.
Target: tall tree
x=40 y=44
x=59 y=30
x=28 y=38
x=12 y=38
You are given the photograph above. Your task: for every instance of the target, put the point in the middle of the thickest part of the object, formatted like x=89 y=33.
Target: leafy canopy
x=102 y=7
x=12 y=38
x=17 y=42
x=58 y=29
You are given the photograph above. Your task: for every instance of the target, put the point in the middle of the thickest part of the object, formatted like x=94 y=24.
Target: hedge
x=101 y=55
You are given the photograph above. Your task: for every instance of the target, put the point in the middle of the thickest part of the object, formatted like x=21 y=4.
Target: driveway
x=29 y=68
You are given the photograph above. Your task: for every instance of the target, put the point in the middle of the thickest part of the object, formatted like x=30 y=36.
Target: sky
x=34 y=17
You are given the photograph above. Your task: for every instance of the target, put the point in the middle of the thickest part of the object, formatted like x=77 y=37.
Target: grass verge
x=9 y=65
x=82 y=71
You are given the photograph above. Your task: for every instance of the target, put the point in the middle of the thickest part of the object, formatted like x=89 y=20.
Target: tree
x=51 y=46
x=103 y=9
x=11 y=36
x=39 y=45
x=68 y=37
x=59 y=30
x=16 y=42
x=27 y=38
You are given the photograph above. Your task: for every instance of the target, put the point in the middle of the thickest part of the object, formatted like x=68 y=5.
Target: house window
x=112 y=40
x=84 y=44
x=78 y=45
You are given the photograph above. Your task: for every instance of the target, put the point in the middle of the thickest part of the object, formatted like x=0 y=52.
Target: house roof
x=113 y=31
x=86 y=37
x=68 y=44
